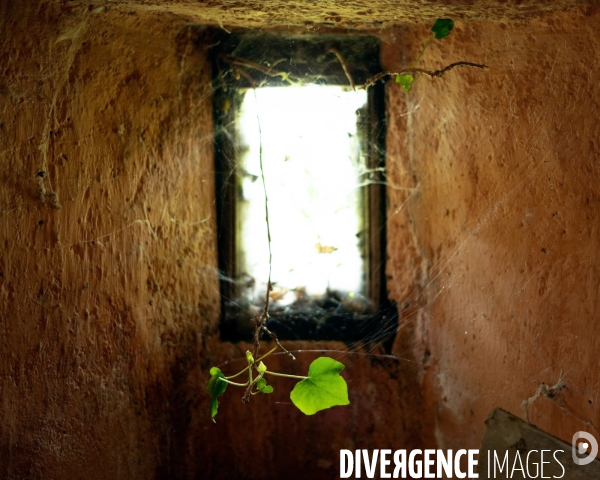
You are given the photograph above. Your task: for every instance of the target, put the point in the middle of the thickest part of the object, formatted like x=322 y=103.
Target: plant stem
x=264 y=356
x=344 y=66
x=260 y=320
x=239 y=373
x=233 y=383
x=267 y=354
x=422 y=51
x=432 y=74
x=286 y=375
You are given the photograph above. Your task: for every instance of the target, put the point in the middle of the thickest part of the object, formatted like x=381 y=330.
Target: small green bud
x=249 y=357
x=405 y=81
x=262 y=368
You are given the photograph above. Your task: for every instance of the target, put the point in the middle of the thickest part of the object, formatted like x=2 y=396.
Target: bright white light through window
x=312 y=166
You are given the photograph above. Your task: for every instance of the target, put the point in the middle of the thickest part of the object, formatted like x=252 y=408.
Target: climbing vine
x=322 y=387
x=406 y=77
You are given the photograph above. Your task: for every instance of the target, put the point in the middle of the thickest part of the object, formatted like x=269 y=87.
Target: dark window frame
x=314 y=58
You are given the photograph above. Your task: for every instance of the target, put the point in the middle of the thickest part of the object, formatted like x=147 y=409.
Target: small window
x=289 y=103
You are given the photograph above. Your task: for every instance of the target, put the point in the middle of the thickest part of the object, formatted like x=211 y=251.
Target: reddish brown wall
x=107 y=285
x=108 y=290
x=109 y=293
x=503 y=204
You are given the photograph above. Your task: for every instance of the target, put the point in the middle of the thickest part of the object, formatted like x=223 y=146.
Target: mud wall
x=108 y=291
x=496 y=195
x=107 y=285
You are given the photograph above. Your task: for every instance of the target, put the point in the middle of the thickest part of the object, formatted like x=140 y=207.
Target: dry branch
x=433 y=74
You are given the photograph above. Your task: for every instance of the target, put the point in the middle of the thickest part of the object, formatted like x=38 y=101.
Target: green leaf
x=262 y=386
x=405 y=81
x=442 y=27
x=324 y=388
x=249 y=357
x=215 y=389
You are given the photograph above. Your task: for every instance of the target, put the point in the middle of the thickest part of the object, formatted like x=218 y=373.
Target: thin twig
x=344 y=65
x=276 y=340
x=242 y=62
x=433 y=74
x=276 y=62
x=295 y=80
x=260 y=319
x=240 y=71
x=262 y=175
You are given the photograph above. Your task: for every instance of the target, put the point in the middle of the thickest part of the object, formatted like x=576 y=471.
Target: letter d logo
x=581 y=448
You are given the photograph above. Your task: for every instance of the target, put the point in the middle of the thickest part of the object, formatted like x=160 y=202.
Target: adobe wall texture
x=108 y=289
x=501 y=199
x=107 y=285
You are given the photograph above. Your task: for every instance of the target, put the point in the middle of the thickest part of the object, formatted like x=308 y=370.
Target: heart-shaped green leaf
x=405 y=81
x=215 y=389
x=262 y=386
x=324 y=388
x=442 y=27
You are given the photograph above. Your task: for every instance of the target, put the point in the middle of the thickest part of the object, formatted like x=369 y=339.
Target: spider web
x=436 y=273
